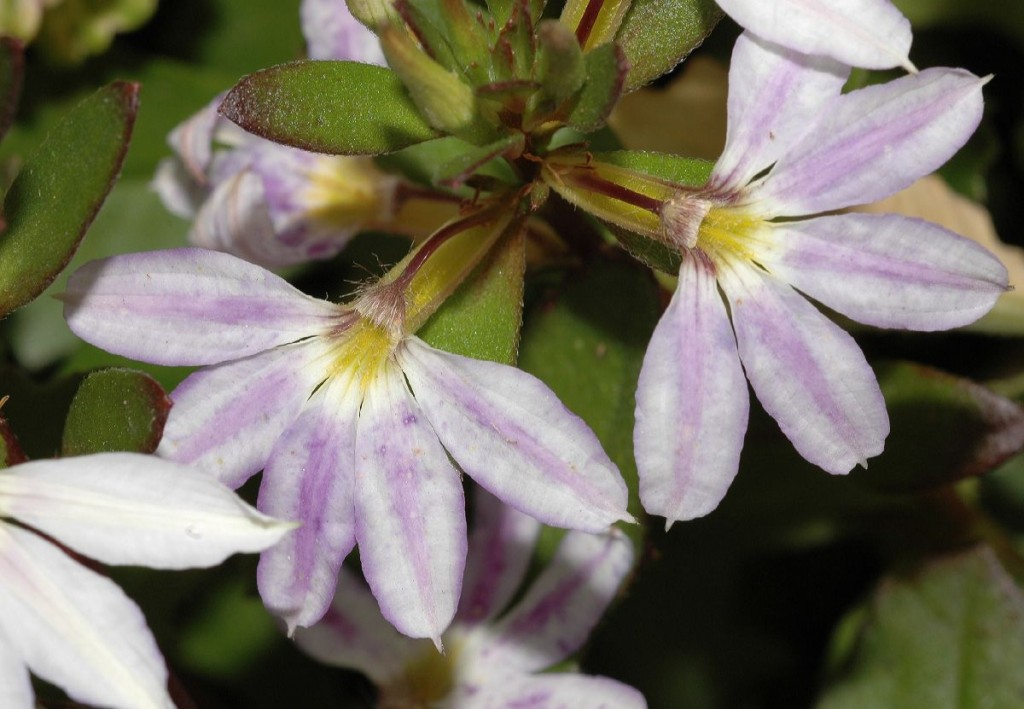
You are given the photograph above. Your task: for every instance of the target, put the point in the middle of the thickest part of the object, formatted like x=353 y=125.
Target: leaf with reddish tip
x=341 y=108
x=60 y=189
x=10 y=449
x=658 y=34
x=12 y=70
x=116 y=410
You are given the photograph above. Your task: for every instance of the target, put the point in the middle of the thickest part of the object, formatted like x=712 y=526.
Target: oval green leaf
x=60 y=189
x=658 y=34
x=607 y=70
x=335 y=107
x=116 y=410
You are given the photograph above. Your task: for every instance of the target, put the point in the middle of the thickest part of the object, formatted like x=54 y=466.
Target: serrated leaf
x=606 y=75
x=60 y=189
x=943 y=428
x=949 y=636
x=588 y=343
x=115 y=410
x=336 y=107
x=658 y=34
x=483 y=317
x=12 y=70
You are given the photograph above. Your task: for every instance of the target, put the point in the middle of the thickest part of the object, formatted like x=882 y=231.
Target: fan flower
x=796 y=146
x=491 y=658
x=74 y=627
x=275 y=205
x=352 y=420
x=872 y=34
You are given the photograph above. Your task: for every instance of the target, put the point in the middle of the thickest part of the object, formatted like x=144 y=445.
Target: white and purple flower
x=74 y=627
x=797 y=146
x=269 y=203
x=491 y=659
x=352 y=421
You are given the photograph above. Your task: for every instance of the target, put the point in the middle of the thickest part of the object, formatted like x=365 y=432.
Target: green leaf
x=481 y=319
x=56 y=195
x=588 y=343
x=455 y=172
x=341 y=108
x=950 y=635
x=658 y=34
x=12 y=70
x=943 y=429
x=606 y=74
x=116 y=410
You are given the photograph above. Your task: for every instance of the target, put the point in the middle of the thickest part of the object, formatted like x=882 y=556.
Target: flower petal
x=192 y=139
x=309 y=478
x=188 y=306
x=691 y=402
x=177 y=189
x=76 y=628
x=873 y=142
x=332 y=33
x=508 y=431
x=410 y=511
x=226 y=419
x=809 y=375
x=126 y=508
x=887 y=270
x=774 y=96
x=15 y=685
x=553 y=691
x=561 y=607
x=501 y=544
x=867 y=33
x=354 y=634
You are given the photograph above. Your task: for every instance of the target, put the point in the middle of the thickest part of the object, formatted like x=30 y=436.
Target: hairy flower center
x=361 y=353
x=728 y=231
x=348 y=191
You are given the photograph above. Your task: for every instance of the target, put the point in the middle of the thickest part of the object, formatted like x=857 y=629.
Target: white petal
x=508 y=431
x=309 y=478
x=226 y=419
x=15 y=685
x=691 y=402
x=867 y=33
x=332 y=33
x=501 y=544
x=562 y=606
x=354 y=634
x=76 y=628
x=410 y=511
x=809 y=375
x=189 y=306
x=127 y=508
x=888 y=270
x=177 y=189
x=547 y=691
x=775 y=95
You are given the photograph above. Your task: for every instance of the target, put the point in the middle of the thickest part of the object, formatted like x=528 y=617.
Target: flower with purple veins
x=352 y=419
x=796 y=146
x=490 y=658
x=74 y=627
x=872 y=34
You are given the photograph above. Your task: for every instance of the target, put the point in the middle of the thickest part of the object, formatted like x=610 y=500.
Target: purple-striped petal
x=691 y=402
x=192 y=140
x=332 y=33
x=774 y=97
x=553 y=691
x=561 y=607
x=188 y=307
x=410 y=511
x=354 y=634
x=126 y=508
x=226 y=419
x=15 y=685
x=867 y=33
x=809 y=375
x=309 y=478
x=873 y=142
x=887 y=270
x=75 y=628
x=501 y=544
x=508 y=431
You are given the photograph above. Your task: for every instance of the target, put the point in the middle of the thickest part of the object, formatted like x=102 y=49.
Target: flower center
x=426 y=679
x=361 y=352
x=693 y=222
